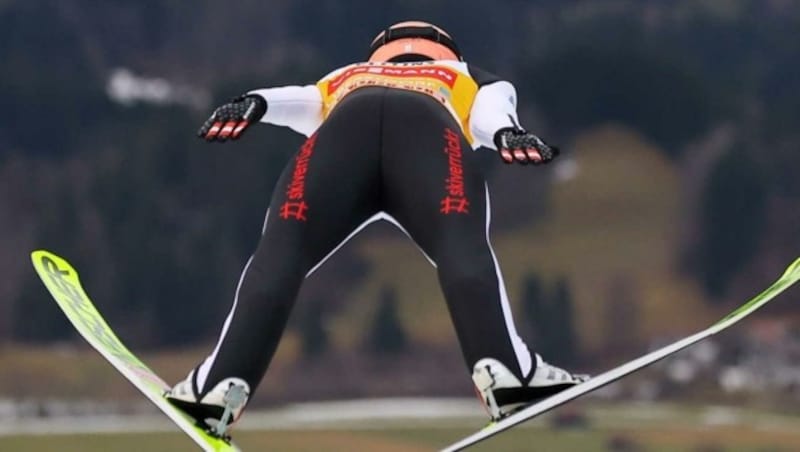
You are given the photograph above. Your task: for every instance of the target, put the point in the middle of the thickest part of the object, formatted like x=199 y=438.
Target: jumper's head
x=413 y=41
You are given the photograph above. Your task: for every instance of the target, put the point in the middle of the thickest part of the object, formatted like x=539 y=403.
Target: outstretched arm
x=297 y=107
x=494 y=124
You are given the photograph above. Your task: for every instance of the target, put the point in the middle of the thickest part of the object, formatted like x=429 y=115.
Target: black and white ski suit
x=386 y=141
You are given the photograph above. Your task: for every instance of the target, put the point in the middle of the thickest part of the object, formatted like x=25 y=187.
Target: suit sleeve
x=494 y=107
x=296 y=107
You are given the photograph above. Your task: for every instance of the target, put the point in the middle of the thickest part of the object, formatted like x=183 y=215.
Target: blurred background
x=675 y=200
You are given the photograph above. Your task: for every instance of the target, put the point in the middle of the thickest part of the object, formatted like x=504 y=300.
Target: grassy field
x=677 y=439
x=614 y=427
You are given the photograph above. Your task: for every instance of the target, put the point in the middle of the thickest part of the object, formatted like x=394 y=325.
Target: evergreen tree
x=536 y=314
x=35 y=317
x=734 y=209
x=387 y=334
x=552 y=320
x=565 y=349
x=314 y=337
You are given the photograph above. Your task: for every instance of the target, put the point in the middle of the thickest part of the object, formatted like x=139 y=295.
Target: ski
x=62 y=281
x=789 y=277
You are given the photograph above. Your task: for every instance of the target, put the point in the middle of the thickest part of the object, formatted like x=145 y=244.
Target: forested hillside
x=99 y=161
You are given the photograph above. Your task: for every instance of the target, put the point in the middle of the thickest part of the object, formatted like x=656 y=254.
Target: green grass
x=644 y=426
x=663 y=439
x=77 y=371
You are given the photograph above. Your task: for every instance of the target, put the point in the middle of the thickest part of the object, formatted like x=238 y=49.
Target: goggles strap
x=428 y=33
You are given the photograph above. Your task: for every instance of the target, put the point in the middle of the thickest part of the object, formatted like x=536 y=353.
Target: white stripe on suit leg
x=205 y=368
x=520 y=348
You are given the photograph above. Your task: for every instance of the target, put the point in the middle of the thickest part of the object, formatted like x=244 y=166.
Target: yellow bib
x=454 y=89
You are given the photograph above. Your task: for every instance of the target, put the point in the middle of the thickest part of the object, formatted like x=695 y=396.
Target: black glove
x=517 y=145
x=230 y=120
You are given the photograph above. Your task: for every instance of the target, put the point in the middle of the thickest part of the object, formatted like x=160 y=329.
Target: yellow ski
x=65 y=287
x=789 y=277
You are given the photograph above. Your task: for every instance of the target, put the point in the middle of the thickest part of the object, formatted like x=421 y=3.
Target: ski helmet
x=413 y=41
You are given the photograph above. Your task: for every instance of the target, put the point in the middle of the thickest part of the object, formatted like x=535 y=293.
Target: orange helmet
x=413 y=41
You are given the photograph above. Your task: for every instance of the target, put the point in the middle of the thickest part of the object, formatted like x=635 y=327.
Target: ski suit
x=386 y=141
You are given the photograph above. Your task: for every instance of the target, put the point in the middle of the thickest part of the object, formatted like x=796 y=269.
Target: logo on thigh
x=455 y=199
x=295 y=206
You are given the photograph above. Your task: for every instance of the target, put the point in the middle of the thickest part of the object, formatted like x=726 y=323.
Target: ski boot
x=217 y=409
x=503 y=393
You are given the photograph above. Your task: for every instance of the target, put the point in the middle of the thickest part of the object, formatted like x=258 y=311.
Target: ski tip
x=38 y=256
x=45 y=262
x=794 y=269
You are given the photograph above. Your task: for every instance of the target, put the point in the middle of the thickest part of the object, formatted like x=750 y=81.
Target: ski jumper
x=386 y=141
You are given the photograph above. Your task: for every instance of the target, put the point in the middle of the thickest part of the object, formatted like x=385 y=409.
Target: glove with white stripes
x=231 y=120
x=517 y=145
